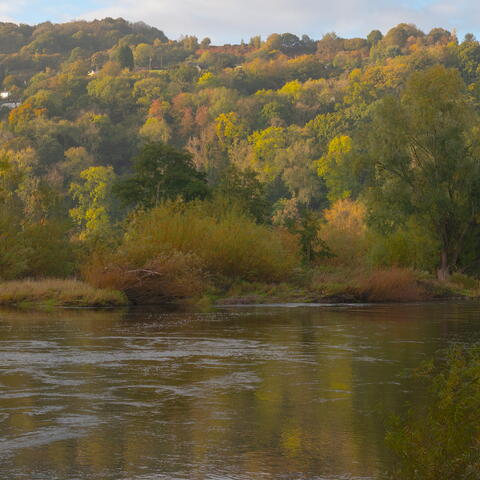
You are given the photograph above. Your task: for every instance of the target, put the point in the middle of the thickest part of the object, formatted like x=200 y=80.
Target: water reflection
x=236 y=394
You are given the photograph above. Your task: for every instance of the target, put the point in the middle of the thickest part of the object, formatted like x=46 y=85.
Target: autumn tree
x=93 y=204
x=424 y=149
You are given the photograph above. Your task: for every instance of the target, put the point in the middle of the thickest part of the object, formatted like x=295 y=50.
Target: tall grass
x=390 y=285
x=57 y=292
x=370 y=284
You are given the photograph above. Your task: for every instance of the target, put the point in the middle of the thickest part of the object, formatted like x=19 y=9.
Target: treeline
x=360 y=151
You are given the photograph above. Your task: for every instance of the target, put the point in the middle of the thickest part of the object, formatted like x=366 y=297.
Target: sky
x=230 y=21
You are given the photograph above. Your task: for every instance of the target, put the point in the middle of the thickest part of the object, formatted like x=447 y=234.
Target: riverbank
x=58 y=292
x=334 y=285
x=342 y=285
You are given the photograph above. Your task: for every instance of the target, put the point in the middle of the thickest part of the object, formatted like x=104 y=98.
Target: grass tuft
x=59 y=292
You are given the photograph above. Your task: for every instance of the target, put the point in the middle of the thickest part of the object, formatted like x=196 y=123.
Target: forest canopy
x=102 y=119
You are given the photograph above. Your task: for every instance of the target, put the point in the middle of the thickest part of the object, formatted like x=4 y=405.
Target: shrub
x=50 y=253
x=13 y=252
x=166 y=277
x=441 y=441
x=410 y=245
x=464 y=281
x=392 y=285
x=228 y=243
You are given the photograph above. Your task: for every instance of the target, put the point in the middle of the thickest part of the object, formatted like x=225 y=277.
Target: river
x=236 y=394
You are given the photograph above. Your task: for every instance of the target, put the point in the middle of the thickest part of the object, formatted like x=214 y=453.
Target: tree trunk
x=444 y=270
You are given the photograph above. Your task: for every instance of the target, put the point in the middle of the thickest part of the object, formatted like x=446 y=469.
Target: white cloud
x=8 y=10
x=232 y=20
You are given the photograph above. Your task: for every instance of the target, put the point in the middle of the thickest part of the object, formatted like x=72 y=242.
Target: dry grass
x=57 y=292
x=385 y=285
x=391 y=285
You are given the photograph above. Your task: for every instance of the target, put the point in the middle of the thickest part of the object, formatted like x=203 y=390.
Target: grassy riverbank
x=342 y=285
x=58 y=292
x=335 y=285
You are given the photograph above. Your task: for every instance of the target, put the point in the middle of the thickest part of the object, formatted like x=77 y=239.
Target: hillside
x=281 y=126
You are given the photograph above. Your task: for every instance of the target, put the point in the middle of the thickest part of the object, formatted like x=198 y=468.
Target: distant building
x=4 y=94
x=10 y=105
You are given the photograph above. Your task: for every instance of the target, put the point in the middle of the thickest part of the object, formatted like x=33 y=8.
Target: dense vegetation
x=251 y=162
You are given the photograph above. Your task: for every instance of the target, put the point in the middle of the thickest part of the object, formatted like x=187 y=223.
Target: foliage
x=161 y=172
x=440 y=440
x=243 y=189
x=390 y=285
x=92 y=196
x=344 y=231
x=167 y=277
x=124 y=56
x=279 y=129
x=57 y=292
x=227 y=242
x=426 y=161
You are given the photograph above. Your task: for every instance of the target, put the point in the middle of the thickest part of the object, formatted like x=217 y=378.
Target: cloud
x=231 y=20
x=8 y=10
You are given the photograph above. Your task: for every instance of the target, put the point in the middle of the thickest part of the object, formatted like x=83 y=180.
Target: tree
x=143 y=55
x=124 y=57
x=374 y=37
x=243 y=188
x=205 y=43
x=338 y=169
x=426 y=161
x=92 y=196
x=161 y=172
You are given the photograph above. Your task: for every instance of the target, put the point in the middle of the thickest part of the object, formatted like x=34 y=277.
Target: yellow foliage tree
x=336 y=168
x=92 y=196
x=345 y=232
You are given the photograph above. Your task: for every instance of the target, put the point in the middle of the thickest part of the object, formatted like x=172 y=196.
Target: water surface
x=238 y=394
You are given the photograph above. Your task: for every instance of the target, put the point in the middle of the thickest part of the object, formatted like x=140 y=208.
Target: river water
x=238 y=394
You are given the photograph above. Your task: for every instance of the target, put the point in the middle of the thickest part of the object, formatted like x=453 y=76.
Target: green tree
x=245 y=190
x=124 y=57
x=161 y=172
x=374 y=37
x=426 y=161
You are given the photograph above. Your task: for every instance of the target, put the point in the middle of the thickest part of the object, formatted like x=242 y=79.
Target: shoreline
x=73 y=293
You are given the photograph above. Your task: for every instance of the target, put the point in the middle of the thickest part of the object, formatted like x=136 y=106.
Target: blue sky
x=233 y=20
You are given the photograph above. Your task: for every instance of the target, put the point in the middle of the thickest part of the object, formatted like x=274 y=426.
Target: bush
x=392 y=285
x=166 y=277
x=50 y=253
x=229 y=243
x=409 y=246
x=34 y=250
x=442 y=440
x=13 y=252
x=171 y=251
x=464 y=281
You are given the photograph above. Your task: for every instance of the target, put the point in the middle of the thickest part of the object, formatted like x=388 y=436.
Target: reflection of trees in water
x=293 y=392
